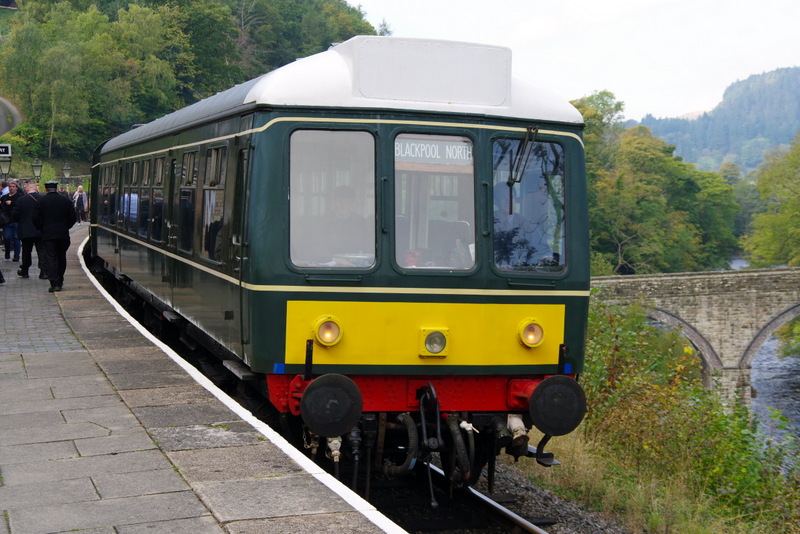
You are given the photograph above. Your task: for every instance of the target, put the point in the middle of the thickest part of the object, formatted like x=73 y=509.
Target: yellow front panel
x=388 y=333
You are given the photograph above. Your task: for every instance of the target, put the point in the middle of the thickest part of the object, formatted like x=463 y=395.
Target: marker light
x=434 y=342
x=531 y=333
x=327 y=331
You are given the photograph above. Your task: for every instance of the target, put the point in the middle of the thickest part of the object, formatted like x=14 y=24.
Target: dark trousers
x=55 y=260
x=28 y=244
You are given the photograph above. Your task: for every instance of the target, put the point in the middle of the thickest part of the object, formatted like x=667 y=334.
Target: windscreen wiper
x=520 y=164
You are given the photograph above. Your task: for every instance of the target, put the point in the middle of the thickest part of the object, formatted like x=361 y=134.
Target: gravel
x=535 y=502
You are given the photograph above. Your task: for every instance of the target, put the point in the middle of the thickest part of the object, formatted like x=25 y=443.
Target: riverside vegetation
x=661 y=452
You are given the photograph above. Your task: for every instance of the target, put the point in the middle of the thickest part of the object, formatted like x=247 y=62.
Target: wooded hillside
x=755 y=115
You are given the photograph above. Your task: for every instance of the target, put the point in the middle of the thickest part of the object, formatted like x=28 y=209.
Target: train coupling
x=547 y=459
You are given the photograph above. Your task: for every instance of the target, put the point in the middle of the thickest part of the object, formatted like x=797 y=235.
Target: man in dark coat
x=54 y=215
x=28 y=233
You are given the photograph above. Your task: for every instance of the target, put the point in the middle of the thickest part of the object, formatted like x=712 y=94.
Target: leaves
x=775 y=238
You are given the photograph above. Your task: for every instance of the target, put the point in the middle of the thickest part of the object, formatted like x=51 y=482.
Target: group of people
x=30 y=221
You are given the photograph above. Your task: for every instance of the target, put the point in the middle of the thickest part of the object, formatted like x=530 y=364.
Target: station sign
x=5 y=151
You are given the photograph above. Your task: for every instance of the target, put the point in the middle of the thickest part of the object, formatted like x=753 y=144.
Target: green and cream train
x=387 y=239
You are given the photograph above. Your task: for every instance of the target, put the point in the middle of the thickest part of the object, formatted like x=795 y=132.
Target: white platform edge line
x=348 y=495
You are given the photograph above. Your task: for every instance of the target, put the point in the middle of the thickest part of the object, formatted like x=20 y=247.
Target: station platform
x=105 y=430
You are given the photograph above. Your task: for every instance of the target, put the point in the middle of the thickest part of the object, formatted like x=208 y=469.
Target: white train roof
x=384 y=73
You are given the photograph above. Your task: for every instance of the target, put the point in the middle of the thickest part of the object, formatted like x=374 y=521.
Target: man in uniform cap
x=54 y=215
x=28 y=233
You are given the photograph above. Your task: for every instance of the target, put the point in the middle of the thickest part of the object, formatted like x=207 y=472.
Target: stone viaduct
x=727 y=315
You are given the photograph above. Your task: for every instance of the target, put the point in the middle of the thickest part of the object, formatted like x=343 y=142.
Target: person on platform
x=28 y=233
x=81 y=201
x=54 y=215
x=11 y=240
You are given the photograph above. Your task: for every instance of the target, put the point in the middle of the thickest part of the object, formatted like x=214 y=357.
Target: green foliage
x=648 y=410
x=775 y=238
x=600 y=264
x=27 y=142
x=789 y=335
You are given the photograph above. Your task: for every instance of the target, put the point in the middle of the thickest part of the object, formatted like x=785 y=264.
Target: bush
x=674 y=455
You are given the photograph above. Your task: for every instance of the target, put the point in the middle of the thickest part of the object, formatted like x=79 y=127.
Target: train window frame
x=160 y=168
x=119 y=215
x=189 y=161
x=187 y=200
x=213 y=216
x=333 y=211
x=186 y=216
x=440 y=242
x=156 y=224
x=146 y=171
x=134 y=177
x=143 y=223
x=552 y=263
x=104 y=192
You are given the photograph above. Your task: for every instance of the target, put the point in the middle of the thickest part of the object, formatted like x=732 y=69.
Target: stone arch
x=708 y=355
x=764 y=334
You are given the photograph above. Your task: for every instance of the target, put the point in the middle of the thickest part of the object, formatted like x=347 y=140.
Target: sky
x=667 y=58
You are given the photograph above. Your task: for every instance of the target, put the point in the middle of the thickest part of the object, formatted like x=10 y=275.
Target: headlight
x=531 y=333
x=327 y=331
x=434 y=342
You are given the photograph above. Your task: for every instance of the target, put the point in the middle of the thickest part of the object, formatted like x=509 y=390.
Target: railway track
x=411 y=505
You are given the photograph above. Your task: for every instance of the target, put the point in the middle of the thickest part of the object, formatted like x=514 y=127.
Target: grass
x=640 y=501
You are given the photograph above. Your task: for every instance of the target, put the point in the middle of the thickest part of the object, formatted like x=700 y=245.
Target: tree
x=140 y=34
x=602 y=113
x=656 y=213
x=210 y=35
x=730 y=172
x=775 y=238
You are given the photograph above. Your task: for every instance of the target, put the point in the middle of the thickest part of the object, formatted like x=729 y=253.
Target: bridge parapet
x=726 y=314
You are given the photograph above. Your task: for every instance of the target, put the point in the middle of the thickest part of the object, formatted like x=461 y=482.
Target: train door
x=169 y=226
x=184 y=224
x=239 y=234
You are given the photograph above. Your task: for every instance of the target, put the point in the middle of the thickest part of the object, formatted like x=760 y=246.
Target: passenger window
x=160 y=168
x=186 y=202
x=189 y=170
x=107 y=197
x=528 y=193
x=186 y=220
x=144 y=212
x=332 y=199
x=157 y=210
x=434 y=202
x=146 y=167
x=213 y=202
x=130 y=208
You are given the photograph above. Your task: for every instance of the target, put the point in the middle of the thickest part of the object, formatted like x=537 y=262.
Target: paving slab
x=105 y=513
x=66 y=469
x=190 y=437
